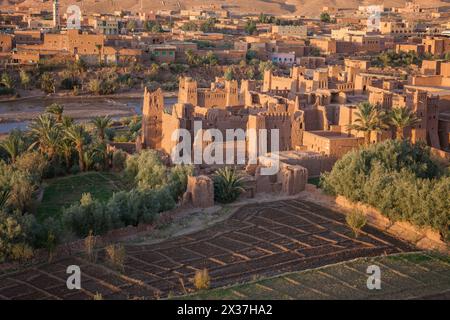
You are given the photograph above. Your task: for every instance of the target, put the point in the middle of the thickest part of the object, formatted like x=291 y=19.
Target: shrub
x=19 y=185
x=119 y=159
x=33 y=164
x=116 y=256
x=89 y=246
x=228 y=185
x=50 y=245
x=21 y=179
x=356 y=220
x=21 y=252
x=12 y=236
x=122 y=209
x=147 y=171
x=41 y=232
x=202 y=280
x=88 y=215
x=399 y=179
x=178 y=180
x=74 y=169
x=97 y=296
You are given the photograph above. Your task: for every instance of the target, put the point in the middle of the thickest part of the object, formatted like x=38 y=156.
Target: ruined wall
x=200 y=192
x=293 y=179
x=290 y=180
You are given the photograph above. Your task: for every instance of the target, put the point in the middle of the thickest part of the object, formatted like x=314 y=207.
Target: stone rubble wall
x=290 y=180
x=199 y=192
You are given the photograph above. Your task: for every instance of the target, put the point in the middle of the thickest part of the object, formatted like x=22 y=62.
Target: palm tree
x=77 y=134
x=41 y=124
x=101 y=154
x=46 y=133
x=101 y=124
x=13 y=145
x=228 y=185
x=57 y=110
x=191 y=57
x=402 y=118
x=5 y=192
x=66 y=122
x=89 y=159
x=369 y=118
x=51 y=141
x=99 y=48
x=66 y=149
x=7 y=81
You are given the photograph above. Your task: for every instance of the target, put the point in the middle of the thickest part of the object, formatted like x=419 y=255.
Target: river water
x=17 y=114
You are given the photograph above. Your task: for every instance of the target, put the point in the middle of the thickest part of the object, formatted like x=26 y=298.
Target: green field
x=403 y=276
x=62 y=192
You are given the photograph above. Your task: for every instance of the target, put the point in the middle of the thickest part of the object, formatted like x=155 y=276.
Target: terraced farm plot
x=403 y=276
x=62 y=192
x=258 y=240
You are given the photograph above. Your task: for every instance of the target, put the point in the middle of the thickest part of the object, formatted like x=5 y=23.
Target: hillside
x=276 y=7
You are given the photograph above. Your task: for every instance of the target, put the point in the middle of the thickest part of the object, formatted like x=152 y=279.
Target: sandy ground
x=76 y=108
x=275 y=7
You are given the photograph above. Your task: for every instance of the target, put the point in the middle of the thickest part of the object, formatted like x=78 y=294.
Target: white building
x=287 y=58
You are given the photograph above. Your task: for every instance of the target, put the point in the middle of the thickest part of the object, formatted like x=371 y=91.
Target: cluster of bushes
x=124 y=208
x=398 y=178
x=401 y=59
x=20 y=179
x=156 y=189
x=19 y=231
x=104 y=85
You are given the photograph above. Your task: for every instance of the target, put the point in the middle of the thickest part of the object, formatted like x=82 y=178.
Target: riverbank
x=16 y=113
x=123 y=95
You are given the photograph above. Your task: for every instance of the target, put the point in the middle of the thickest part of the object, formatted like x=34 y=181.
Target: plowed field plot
x=402 y=276
x=259 y=240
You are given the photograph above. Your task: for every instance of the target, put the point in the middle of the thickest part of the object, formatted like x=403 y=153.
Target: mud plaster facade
x=312 y=109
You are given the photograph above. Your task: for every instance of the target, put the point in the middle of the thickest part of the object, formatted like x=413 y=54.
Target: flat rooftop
x=332 y=135
x=436 y=90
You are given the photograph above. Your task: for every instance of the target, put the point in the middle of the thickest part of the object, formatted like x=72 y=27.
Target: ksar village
x=224 y=150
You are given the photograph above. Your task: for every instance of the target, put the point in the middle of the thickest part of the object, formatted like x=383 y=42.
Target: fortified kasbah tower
x=425 y=108
x=231 y=92
x=221 y=94
x=56 y=18
x=152 y=111
x=187 y=92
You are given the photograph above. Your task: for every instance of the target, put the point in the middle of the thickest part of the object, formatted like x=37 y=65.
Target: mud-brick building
x=221 y=94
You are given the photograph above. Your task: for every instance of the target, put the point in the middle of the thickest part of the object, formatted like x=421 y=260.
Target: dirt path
x=257 y=240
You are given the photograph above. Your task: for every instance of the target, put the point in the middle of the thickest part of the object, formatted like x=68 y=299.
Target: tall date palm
x=369 y=118
x=77 y=134
x=402 y=118
x=101 y=124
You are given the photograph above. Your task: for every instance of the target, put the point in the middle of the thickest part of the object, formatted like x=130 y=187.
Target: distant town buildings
x=328 y=67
